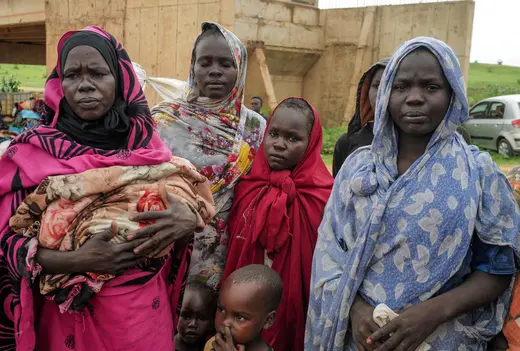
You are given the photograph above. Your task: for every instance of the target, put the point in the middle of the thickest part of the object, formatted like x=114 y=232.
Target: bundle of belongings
x=25 y=115
x=65 y=211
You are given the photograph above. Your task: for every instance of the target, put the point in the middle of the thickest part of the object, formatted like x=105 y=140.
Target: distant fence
x=329 y=4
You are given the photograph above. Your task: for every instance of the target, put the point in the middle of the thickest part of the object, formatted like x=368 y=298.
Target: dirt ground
x=506 y=168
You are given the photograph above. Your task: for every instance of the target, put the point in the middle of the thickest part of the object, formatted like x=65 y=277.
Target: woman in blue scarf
x=419 y=221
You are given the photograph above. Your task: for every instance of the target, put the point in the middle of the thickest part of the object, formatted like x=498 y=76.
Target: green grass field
x=30 y=76
x=492 y=80
x=481 y=74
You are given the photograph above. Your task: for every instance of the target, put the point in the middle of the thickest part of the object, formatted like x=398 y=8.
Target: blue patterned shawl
x=404 y=239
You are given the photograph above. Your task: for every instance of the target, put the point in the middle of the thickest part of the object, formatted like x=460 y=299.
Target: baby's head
x=197 y=313
x=247 y=303
x=288 y=134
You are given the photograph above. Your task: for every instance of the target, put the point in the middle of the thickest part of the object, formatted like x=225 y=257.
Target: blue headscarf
x=401 y=240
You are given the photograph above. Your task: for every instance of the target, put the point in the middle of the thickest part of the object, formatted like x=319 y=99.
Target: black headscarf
x=111 y=131
x=357 y=135
x=355 y=123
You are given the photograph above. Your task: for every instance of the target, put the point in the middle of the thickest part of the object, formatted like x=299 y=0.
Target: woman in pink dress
x=96 y=116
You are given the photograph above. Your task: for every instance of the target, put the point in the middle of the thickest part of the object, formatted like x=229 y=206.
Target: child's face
x=287 y=139
x=420 y=94
x=241 y=308
x=196 y=320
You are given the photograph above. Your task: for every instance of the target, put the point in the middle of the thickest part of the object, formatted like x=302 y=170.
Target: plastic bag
x=3 y=146
x=167 y=88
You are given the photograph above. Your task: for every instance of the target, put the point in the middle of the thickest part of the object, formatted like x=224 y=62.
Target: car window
x=496 y=110
x=479 y=111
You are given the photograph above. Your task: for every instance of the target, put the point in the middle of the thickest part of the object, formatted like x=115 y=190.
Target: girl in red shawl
x=277 y=209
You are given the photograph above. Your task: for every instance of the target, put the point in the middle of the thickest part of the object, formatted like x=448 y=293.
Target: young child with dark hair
x=247 y=305
x=197 y=316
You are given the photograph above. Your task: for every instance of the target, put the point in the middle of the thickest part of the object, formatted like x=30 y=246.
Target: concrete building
x=295 y=48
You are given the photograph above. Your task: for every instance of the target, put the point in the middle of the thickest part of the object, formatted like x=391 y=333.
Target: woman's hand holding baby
x=225 y=343
x=97 y=255
x=174 y=224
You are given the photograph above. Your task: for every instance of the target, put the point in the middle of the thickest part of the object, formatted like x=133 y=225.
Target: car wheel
x=465 y=135
x=504 y=148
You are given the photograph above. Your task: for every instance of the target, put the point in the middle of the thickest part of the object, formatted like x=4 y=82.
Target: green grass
x=327 y=159
x=492 y=80
x=30 y=76
x=503 y=161
x=330 y=136
x=480 y=75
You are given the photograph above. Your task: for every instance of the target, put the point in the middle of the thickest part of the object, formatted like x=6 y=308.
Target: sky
x=496 y=28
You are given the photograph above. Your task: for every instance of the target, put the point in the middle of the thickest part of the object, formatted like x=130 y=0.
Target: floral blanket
x=65 y=211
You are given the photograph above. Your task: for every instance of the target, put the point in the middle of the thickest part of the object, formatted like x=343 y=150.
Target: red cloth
x=279 y=212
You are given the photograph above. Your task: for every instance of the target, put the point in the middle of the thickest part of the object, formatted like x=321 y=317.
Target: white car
x=494 y=124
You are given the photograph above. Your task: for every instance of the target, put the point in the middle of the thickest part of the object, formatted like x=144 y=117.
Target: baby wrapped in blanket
x=65 y=211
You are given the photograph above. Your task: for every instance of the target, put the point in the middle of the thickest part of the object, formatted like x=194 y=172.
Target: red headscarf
x=279 y=212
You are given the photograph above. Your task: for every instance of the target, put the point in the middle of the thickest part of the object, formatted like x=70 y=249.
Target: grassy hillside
x=492 y=80
x=30 y=76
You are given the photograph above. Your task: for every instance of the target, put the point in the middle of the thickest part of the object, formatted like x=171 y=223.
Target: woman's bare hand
x=363 y=325
x=410 y=329
x=97 y=255
x=171 y=225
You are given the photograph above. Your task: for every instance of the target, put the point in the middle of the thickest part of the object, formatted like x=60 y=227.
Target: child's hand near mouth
x=224 y=342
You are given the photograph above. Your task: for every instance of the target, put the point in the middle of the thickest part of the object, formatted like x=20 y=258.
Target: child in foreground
x=276 y=212
x=246 y=306
x=197 y=317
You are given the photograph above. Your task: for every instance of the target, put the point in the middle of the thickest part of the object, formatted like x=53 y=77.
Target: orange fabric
x=512 y=325
x=209 y=344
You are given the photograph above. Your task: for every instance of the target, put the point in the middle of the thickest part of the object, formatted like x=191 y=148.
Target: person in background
x=256 y=105
x=95 y=116
x=420 y=225
x=277 y=210
x=247 y=305
x=210 y=127
x=360 y=128
x=197 y=319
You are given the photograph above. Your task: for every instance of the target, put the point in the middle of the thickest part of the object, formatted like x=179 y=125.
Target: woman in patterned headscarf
x=420 y=222
x=95 y=116
x=210 y=127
